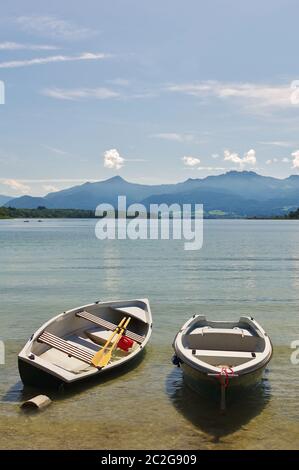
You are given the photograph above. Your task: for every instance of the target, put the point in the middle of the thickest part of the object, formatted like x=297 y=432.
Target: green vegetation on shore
x=44 y=213
x=292 y=215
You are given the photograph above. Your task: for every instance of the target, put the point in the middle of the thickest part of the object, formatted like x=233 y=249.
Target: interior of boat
x=224 y=345
x=72 y=339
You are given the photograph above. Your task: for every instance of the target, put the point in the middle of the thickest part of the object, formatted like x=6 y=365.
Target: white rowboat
x=222 y=353
x=61 y=351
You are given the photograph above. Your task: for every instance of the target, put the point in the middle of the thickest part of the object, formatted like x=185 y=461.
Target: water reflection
x=204 y=413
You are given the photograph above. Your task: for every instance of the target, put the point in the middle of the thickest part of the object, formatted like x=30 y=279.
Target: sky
x=157 y=91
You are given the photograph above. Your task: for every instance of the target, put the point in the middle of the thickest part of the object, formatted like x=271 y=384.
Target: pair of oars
x=103 y=356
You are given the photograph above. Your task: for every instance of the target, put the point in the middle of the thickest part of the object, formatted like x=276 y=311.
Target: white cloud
x=295 y=156
x=215 y=155
x=259 y=95
x=232 y=157
x=249 y=158
x=17 y=186
x=53 y=59
x=80 y=93
x=285 y=160
x=174 y=136
x=14 y=46
x=191 y=161
x=269 y=162
x=50 y=188
x=54 y=27
x=113 y=160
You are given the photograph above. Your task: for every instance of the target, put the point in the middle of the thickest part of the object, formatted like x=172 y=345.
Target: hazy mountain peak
x=115 y=179
x=191 y=180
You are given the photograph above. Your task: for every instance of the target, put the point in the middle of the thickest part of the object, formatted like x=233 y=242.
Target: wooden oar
x=105 y=358
x=96 y=358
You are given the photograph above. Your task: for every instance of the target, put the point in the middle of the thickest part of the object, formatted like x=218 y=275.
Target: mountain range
x=235 y=193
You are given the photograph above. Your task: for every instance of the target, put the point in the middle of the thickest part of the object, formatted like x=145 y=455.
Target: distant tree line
x=293 y=214
x=44 y=213
x=288 y=216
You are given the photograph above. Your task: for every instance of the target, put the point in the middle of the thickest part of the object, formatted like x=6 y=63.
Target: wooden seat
x=224 y=340
x=108 y=325
x=99 y=336
x=204 y=352
x=64 y=346
x=220 y=357
x=135 y=312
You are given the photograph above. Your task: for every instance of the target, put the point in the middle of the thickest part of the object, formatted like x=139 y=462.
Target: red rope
x=228 y=372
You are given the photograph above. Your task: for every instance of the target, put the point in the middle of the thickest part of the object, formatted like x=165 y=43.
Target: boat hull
x=201 y=382
x=33 y=376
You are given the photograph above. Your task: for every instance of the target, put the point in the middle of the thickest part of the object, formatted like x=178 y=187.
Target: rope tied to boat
x=227 y=372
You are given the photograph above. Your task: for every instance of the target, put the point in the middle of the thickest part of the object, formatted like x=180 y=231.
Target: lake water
x=244 y=268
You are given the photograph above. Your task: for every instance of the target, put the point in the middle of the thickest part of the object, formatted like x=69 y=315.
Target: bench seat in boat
x=108 y=325
x=99 y=336
x=217 y=358
x=223 y=339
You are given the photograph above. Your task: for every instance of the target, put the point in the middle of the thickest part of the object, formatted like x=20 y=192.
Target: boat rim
x=204 y=367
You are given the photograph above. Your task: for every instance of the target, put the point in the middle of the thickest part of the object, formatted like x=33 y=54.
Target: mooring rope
x=228 y=372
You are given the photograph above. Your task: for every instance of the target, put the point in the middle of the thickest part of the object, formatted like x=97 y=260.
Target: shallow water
x=244 y=268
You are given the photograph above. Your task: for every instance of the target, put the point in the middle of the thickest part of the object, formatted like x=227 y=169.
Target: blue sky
x=154 y=91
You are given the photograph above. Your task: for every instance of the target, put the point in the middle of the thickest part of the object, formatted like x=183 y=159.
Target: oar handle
x=114 y=345
x=98 y=355
x=113 y=333
x=126 y=324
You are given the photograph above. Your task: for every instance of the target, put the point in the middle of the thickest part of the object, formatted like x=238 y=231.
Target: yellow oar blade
x=106 y=356
x=104 y=359
x=98 y=355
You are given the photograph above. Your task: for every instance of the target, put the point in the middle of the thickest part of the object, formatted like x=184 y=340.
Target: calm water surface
x=244 y=268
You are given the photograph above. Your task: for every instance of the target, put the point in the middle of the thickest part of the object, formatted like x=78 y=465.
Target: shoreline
x=10 y=213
